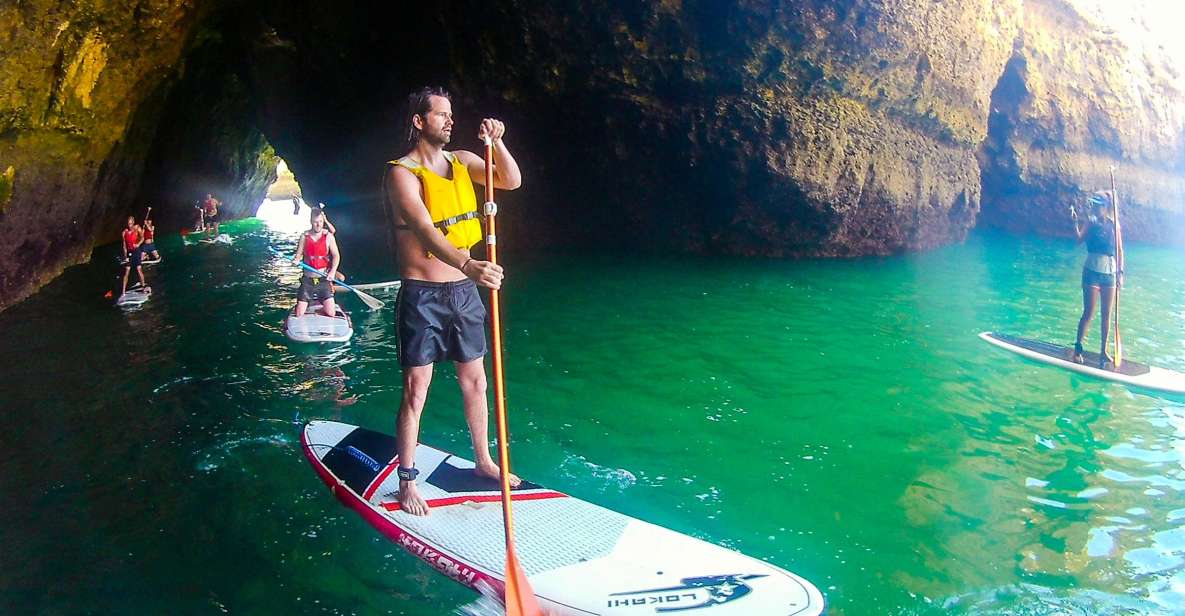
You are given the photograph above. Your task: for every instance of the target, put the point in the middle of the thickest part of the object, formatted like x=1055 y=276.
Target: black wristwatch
x=407 y=474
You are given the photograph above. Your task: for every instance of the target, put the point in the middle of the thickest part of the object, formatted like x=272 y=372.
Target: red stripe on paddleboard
x=491 y=498
x=378 y=481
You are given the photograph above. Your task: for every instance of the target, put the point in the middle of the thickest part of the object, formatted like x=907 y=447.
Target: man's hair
x=314 y=212
x=418 y=104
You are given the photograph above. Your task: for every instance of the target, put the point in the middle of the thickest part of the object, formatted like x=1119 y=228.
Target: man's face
x=131 y=221
x=437 y=123
x=317 y=222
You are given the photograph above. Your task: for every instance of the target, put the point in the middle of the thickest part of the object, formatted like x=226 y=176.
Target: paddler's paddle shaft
x=520 y=598
x=1118 y=270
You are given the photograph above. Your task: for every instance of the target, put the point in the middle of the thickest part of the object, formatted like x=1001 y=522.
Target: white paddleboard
x=1130 y=372
x=145 y=262
x=316 y=327
x=379 y=286
x=579 y=558
x=134 y=297
x=221 y=238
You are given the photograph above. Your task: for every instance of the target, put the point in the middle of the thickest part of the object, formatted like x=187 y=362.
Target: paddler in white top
x=318 y=249
x=439 y=315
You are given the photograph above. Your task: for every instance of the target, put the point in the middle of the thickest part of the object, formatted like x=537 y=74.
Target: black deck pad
x=354 y=469
x=452 y=479
x=1129 y=368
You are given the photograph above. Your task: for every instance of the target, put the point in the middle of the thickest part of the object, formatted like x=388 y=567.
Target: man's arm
x=405 y=196
x=334 y=258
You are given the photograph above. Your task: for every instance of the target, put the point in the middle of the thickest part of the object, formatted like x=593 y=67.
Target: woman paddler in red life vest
x=318 y=249
x=149 y=245
x=132 y=242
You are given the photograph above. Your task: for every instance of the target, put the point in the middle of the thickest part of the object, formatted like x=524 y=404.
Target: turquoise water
x=837 y=418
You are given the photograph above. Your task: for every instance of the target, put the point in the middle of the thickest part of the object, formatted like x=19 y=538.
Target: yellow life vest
x=451 y=204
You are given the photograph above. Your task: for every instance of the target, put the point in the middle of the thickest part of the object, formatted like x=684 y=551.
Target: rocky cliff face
x=84 y=92
x=1089 y=86
x=834 y=128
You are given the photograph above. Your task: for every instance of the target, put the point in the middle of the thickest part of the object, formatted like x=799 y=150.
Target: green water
x=837 y=418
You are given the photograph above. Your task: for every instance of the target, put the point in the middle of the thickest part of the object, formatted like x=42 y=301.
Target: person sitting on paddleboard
x=132 y=242
x=210 y=211
x=439 y=315
x=149 y=246
x=318 y=249
x=332 y=230
x=1099 y=275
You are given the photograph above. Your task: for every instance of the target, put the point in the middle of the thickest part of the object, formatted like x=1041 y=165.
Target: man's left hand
x=492 y=128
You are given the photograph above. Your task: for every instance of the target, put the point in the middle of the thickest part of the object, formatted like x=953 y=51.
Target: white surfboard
x=580 y=558
x=1130 y=372
x=316 y=327
x=133 y=297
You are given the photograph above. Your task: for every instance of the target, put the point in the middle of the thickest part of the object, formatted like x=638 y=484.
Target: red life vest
x=130 y=237
x=316 y=252
x=148 y=235
x=211 y=206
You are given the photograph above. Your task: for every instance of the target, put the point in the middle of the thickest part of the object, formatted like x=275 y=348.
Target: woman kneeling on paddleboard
x=318 y=249
x=1099 y=273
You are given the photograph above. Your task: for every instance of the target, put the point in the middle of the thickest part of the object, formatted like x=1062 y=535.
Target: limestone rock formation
x=1089 y=86
x=811 y=128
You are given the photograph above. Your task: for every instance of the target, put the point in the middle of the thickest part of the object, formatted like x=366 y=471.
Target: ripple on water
x=1034 y=600
x=219 y=454
x=578 y=468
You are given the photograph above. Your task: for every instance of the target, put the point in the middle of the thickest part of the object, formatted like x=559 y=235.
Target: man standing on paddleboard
x=133 y=240
x=439 y=314
x=212 y=218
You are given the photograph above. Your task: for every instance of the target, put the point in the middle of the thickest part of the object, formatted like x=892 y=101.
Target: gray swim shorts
x=439 y=320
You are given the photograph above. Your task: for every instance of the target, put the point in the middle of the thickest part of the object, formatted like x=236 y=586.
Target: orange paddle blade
x=108 y=295
x=520 y=599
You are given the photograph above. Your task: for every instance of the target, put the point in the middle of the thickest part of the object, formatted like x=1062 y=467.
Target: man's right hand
x=484 y=273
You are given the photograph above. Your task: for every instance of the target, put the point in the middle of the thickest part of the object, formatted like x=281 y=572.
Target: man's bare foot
x=489 y=470
x=410 y=500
